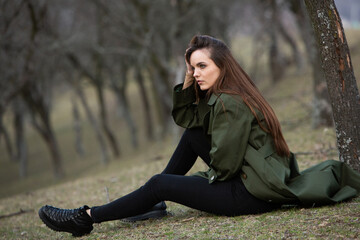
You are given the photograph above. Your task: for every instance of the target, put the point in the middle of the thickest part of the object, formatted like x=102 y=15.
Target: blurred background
x=89 y=82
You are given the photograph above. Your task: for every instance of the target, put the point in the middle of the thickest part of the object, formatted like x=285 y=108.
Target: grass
x=341 y=221
x=290 y=99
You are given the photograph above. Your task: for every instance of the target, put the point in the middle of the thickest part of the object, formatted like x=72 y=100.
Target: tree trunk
x=20 y=142
x=340 y=78
x=123 y=103
x=104 y=154
x=322 y=112
x=149 y=126
x=4 y=132
x=40 y=114
x=96 y=81
x=276 y=60
x=44 y=127
x=45 y=130
x=258 y=49
x=297 y=57
x=79 y=146
x=104 y=121
x=161 y=100
x=159 y=77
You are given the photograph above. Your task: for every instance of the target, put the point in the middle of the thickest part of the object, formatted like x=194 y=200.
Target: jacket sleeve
x=185 y=112
x=230 y=130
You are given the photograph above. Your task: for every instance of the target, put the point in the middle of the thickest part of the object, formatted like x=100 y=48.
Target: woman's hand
x=189 y=78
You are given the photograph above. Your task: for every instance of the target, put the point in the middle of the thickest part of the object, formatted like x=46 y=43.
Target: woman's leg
x=193 y=143
x=224 y=198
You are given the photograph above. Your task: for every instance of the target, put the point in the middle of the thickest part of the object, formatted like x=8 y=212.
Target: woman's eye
x=202 y=66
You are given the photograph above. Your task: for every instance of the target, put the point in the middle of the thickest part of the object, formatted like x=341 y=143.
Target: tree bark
x=340 y=78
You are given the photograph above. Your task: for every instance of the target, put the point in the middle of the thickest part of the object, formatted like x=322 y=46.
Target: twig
x=16 y=213
x=187 y=219
x=107 y=194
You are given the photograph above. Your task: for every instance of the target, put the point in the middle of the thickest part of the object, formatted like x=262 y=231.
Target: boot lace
x=64 y=215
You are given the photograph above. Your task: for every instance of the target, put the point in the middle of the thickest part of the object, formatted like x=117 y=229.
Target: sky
x=350 y=12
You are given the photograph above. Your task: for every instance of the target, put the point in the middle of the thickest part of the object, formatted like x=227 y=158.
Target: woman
x=236 y=133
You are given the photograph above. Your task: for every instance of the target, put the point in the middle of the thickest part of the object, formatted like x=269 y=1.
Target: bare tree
x=11 y=81
x=24 y=74
x=78 y=90
x=340 y=78
x=118 y=82
x=270 y=14
x=99 y=135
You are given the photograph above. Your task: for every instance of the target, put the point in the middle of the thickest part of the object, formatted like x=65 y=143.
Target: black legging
x=222 y=198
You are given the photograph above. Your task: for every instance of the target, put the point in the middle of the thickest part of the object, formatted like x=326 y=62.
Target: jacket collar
x=213 y=99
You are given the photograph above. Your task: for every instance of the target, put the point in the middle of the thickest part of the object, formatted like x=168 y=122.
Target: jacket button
x=244 y=176
x=212 y=178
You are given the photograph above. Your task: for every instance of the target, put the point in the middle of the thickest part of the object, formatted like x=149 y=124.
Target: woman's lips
x=199 y=81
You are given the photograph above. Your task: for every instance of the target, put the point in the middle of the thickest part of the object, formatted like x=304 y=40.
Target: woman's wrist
x=189 y=80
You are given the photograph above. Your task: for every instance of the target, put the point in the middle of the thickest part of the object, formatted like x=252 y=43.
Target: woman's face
x=205 y=70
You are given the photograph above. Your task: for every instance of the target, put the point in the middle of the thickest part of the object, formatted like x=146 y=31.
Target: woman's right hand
x=189 y=78
x=189 y=69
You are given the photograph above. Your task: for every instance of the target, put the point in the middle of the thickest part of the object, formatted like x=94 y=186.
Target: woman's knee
x=156 y=185
x=153 y=181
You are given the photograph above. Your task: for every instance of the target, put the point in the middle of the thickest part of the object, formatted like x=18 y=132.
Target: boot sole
x=156 y=214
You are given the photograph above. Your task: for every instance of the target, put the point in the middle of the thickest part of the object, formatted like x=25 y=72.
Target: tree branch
x=16 y=213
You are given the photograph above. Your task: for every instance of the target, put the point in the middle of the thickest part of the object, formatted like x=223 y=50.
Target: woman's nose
x=196 y=73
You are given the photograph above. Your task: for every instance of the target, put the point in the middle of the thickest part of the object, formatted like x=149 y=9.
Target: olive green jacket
x=239 y=147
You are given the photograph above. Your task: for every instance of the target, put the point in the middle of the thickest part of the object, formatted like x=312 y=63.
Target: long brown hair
x=234 y=80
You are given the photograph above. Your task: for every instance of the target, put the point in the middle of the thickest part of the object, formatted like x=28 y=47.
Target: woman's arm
x=185 y=112
x=230 y=130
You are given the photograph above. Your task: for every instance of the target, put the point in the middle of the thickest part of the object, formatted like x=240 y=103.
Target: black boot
x=157 y=211
x=75 y=221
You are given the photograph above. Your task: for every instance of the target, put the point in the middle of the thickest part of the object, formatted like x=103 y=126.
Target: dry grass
x=341 y=221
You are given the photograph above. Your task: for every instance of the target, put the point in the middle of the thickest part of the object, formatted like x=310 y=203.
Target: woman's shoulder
x=227 y=100
x=230 y=103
